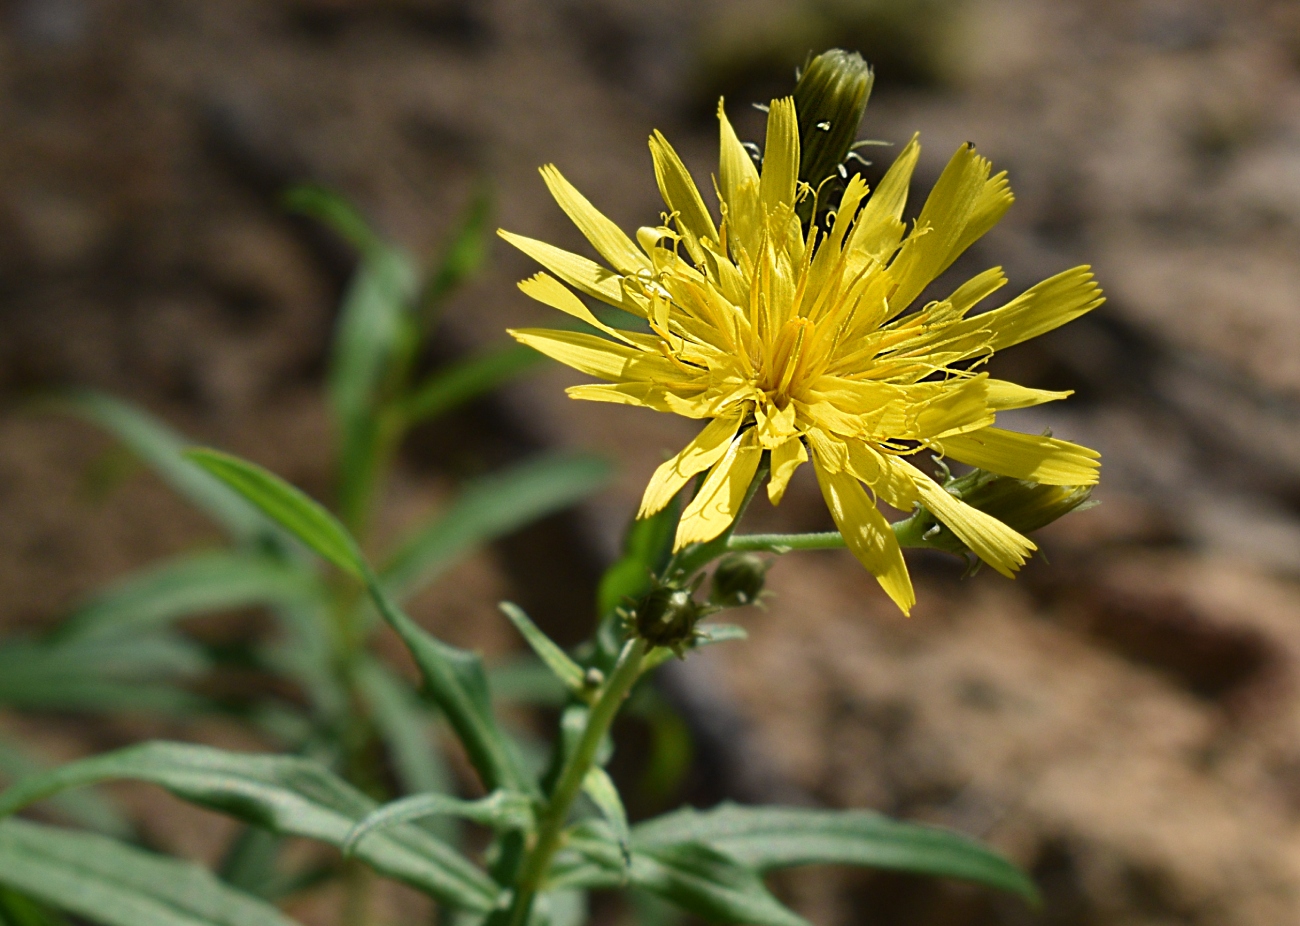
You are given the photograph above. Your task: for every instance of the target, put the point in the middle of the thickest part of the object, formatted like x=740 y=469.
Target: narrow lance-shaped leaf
x=288 y=506
x=285 y=795
x=500 y=810
x=466 y=379
x=102 y=675
x=777 y=837
x=163 y=449
x=189 y=585
x=463 y=256
x=406 y=725
x=492 y=507
x=110 y=883
x=692 y=876
x=454 y=678
x=84 y=807
x=598 y=786
x=557 y=660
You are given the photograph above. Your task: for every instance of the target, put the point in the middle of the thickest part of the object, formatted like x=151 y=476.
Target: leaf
x=18 y=910
x=645 y=551
x=598 y=786
x=286 y=795
x=692 y=876
x=84 y=807
x=557 y=660
x=163 y=449
x=117 y=885
x=455 y=680
x=251 y=862
x=406 y=727
x=501 y=810
x=466 y=379
x=526 y=679
x=101 y=675
x=488 y=508
x=186 y=586
x=374 y=331
x=453 y=677
x=464 y=254
x=288 y=506
x=777 y=837
x=332 y=210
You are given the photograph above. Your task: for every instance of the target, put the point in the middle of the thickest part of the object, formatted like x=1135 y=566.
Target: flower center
x=785 y=373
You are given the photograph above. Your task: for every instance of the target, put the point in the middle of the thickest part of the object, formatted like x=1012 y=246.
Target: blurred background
x=1123 y=720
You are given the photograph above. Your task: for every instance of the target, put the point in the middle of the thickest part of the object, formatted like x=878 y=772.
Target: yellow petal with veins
x=988 y=538
x=1024 y=456
x=786 y=458
x=593 y=355
x=718 y=502
x=867 y=534
x=606 y=237
x=707 y=448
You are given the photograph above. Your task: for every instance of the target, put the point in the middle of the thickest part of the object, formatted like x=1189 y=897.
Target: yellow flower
x=796 y=344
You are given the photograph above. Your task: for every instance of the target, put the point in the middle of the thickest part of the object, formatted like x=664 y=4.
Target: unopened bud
x=667 y=616
x=738 y=580
x=1022 y=505
x=829 y=101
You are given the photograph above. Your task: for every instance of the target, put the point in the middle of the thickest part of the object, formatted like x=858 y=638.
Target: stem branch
x=550 y=828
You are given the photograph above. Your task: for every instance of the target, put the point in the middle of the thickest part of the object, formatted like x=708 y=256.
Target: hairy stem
x=550 y=827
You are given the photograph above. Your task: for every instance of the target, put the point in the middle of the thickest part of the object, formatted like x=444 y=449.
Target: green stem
x=909 y=531
x=550 y=827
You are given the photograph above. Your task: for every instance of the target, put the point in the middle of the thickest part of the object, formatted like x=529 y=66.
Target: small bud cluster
x=669 y=614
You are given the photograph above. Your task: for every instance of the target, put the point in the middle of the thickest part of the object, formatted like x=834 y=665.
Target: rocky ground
x=1124 y=720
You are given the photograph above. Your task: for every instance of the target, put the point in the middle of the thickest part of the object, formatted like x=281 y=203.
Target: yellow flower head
x=797 y=344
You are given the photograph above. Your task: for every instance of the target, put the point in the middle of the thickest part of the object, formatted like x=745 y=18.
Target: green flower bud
x=829 y=101
x=738 y=580
x=667 y=616
x=1020 y=504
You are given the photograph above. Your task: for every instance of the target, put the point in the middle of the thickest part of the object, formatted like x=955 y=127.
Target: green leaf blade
x=284 y=795
x=288 y=506
x=492 y=507
x=164 y=450
x=186 y=586
x=767 y=838
x=117 y=885
x=467 y=379
x=557 y=660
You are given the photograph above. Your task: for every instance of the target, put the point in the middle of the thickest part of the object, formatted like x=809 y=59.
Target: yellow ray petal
x=653 y=396
x=1005 y=395
x=988 y=538
x=682 y=197
x=1025 y=456
x=786 y=458
x=718 y=502
x=606 y=237
x=593 y=355
x=582 y=274
x=735 y=167
x=991 y=205
x=879 y=227
x=1048 y=305
x=869 y=465
x=780 y=156
x=706 y=449
x=932 y=245
x=547 y=290
x=977 y=288
x=867 y=534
